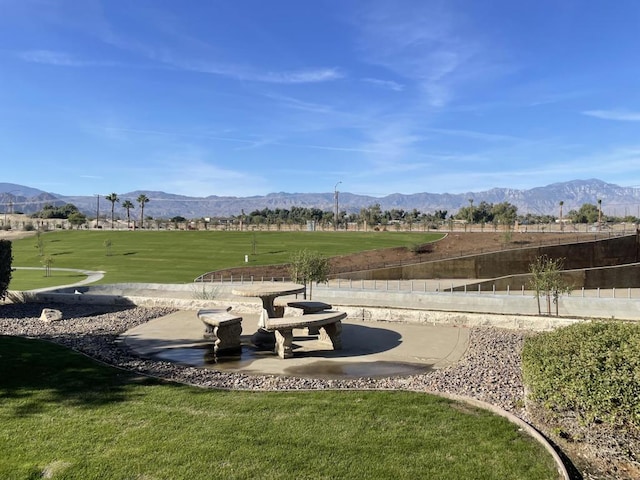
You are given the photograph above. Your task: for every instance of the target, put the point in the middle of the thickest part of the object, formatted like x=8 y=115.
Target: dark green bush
x=592 y=369
x=5 y=266
x=419 y=248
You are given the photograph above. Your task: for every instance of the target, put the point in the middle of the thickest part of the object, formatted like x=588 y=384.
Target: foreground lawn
x=181 y=256
x=66 y=416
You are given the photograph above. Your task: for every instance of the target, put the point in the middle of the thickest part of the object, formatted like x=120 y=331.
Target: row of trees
x=76 y=218
x=503 y=213
x=371 y=215
x=128 y=206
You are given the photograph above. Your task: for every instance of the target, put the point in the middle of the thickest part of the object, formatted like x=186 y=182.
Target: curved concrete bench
x=223 y=328
x=330 y=322
x=307 y=307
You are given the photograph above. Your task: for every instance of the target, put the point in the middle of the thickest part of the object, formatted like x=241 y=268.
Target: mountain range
x=616 y=200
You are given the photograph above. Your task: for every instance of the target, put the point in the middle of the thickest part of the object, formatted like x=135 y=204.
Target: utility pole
x=98 y=211
x=335 y=197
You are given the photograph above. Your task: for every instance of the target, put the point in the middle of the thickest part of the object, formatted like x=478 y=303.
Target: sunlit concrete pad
x=369 y=349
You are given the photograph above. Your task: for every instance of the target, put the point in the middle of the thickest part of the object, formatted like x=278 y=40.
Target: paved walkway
x=92 y=276
x=370 y=349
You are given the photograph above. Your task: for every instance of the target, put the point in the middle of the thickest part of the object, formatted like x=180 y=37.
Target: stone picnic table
x=267 y=292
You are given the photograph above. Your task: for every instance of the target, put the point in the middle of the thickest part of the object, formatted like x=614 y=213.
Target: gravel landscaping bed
x=489 y=371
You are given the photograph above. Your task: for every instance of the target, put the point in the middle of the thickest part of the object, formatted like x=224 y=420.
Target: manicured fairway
x=180 y=256
x=64 y=413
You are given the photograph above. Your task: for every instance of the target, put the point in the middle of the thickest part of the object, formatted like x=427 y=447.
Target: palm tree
x=142 y=199
x=561 y=224
x=113 y=198
x=128 y=206
x=599 y=213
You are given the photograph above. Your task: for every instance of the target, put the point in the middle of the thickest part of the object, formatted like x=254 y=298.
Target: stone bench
x=223 y=328
x=329 y=321
x=307 y=307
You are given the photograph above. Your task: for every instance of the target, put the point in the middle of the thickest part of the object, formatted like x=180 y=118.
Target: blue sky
x=248 y=97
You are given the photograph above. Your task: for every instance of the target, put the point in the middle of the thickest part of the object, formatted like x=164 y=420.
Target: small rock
x=50 y=315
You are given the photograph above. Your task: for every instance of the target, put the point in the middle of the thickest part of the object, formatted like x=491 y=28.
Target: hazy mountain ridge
x=616 y=200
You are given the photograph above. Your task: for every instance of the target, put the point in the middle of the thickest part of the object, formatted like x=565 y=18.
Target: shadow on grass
x=40 y=373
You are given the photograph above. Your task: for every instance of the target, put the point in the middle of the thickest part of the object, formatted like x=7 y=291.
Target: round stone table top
x=268 y=289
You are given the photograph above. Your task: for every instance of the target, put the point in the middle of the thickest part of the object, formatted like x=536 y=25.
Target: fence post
x=614 y=292
x=508 y=289
x=598 y=292
x=231 y=278
x=582 y=292
x=523 y=290
x=494 y=289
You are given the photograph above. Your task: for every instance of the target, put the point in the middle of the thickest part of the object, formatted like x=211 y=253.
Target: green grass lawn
x=31 y=279
x=181 y=256
x=64 y=414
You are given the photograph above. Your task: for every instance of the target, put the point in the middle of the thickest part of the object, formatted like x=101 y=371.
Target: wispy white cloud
x=249 y=74
x=489 y=137
x=298 y=76
x=423 y=42
x=389 y=84
x=180 y=60
x=194 y=171
x=298 y=104
x=618 y=115
x=61 y=59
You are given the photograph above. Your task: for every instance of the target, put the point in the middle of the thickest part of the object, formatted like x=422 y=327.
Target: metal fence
x=444 y=287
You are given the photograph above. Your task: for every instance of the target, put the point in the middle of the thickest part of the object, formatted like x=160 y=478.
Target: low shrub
x=591 y=369
x=419 y=248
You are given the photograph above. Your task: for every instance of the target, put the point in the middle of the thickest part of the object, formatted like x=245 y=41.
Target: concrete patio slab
x=370 y=349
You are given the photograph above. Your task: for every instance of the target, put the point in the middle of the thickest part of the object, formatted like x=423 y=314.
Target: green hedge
x=591 y=368
x=5 y=266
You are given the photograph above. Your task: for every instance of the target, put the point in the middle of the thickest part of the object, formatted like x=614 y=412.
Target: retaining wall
x=613 y=253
